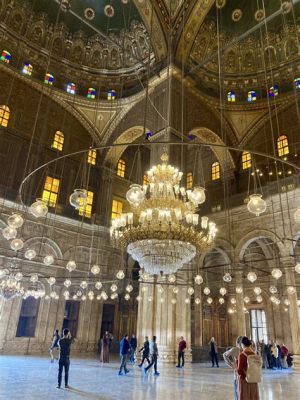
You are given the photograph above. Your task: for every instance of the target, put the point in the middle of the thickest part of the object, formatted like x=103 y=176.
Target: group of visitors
x=105 y=343
x=274 y=356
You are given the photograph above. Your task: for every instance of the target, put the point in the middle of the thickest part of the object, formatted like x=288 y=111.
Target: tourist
x=133 y=346
x=231 y=358
x=104 y=354
x=248 y=390
x=181 y=350
x=64 y=357
x=274 y=355
x=154 y=355
x=213 y=352
x=284 y=356
x=124 y=350
x=146 y=350
x=265 y=354
x=278 y=361
x=54 y=345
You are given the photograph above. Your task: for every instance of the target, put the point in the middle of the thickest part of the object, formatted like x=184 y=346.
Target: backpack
x=254 y=365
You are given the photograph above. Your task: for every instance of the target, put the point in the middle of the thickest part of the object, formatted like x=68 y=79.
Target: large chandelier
x=163 y=231
x=10 y=287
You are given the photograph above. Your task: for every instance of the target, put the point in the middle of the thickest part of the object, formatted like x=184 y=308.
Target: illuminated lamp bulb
x=84 y=284
x=257 y=290
x=66 y=294
x=259 y=299
x=287 y=302
x=222 y=291
x=17 y=244
x=198 y=279
x=53 y=294
x=129 y=288
x=38 y=209
x=78 y=198
x=104 y=295
x=120 y=274
x=252 y=277
x=48 y=260
x=172 y=278
x=9 y=233
x=276 y=273
x=206 y=291
x=297 y=215
x=15 y=220
x=246 y=299
x=190 y=291
x=221 y=300
x=67 y=283
x=273 y=289
x=239 y=289
x=135 y=195
x=175 y=289
x=30 y=254
x=227 y=277
x=187 y=301
x=114 y=287
x=198 y=195
x=173 y=301
x=161 y=289
x=114 y=296
x=98 y=297
x=71 y=265
x=138 y=298
x=256 y=205
x=51 y=280
x=83 y=298
x=297 y=268
x=209 y=300
x=230 y=310
x=98 y=285
x=34 y=278
x=127 y=296
x=197 y=301
x=18 y=276
x=291 y=290
x=233 y=301
x=91 y=294
x=95 y=269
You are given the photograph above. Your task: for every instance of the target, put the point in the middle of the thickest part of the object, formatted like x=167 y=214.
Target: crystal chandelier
x=10 y=287
x=163 y=231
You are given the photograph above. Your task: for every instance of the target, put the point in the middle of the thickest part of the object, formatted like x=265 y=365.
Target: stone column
x=240 y=314
x=197 y=326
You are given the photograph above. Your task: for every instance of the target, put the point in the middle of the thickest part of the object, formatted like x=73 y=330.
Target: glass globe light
x=114 y=296
x=239 y=289
x=71 y=265
x=47 y=297
x=291 y=290
x=222 y=291
x=138 y=298
x=120 y=274
x=273 y=299
x=297 y=268
x=38 y=209
x=198 y=279
x=78 y=198
x=175 y=289
x=173 y=301
x=9 y=232
x=51 y=280
x=190 y=291
x=197 y=300
x=15 y=220
x=257 y=290
x=79 y=293
x=230 y=310
x=144 y=288
x=256 y=205
x=83 y=285
x=48 y=260
x=30 y=254
x=129 y=288
x=34 y=278
x=246 y=299
x=198 y=195
x=135 y=195
x=144 y=275
x=252 y=277
x=91 y=293
x=286 y=309
x=233 y=301
x=53 y=294
x=273 y=289
x=276 y=273
x=83 y=298
x=209 y=300
x=98 y=285
x=221 y=300
x=259 y=299
x=66 y=294
x=95 y=269
x=114 y=287
x=17 y=244
x=187 y=301
x=206 y=291
x=98 y=297
x=277 y=302
x=297 y=215
x=67 y=283
x=18 y=276
x=104 y=295
x=172 y=278
x=227 y=277
x=127 y=296
x=150 y=298
x=287 y=302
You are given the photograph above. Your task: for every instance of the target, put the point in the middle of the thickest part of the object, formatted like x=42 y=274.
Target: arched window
x=116 y=209
x=231 y=97
x=283 y=146
x=50 y=192
x=273 y=91
x=58 y=141
x=86 y=210
x=111 y=95
x=27 y=69
x=251 y=96
x=215 y=171
x=4 y=115
x=121 y=168
x=92 y=155
x=189 y=180
x=71 y=88
x=5 y=56
x=91 y=94
x=48 y=80
x=246 y=160
x=146 y=180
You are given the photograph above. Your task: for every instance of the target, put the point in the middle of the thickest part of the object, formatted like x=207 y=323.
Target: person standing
x=181 y=350
x=64 y=357
x=265 y=354
x=133 y=346
x=214 y=352
x=104 y=354
x=154 y=356
x=124 y=350
x=274 y=354
x=247 y=390
x=54 y=345
x=231 y=357
x=278 y=361
x=284 y=356
x=146 y=350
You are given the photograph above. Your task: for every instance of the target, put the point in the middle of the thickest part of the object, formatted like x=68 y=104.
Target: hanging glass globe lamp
x=38 y=209
x=78 y=198
x=256 y=204
x=15 y=220
x=17 y=244
x=9 y=233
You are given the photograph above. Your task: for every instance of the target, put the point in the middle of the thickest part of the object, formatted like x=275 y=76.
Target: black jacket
x=145 y=349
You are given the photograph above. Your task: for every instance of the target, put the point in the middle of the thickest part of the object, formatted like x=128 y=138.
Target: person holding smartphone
x=64 y=357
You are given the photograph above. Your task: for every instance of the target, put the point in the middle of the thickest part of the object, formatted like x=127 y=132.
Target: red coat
x=243 y=364
x=284 y=350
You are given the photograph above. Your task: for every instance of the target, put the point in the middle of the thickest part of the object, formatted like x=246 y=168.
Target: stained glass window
x=111 y=95
x=121 y=168
x=116 y=209
x=297 y=83
x=27 y=69
x=58 y=141
x=48 y=80
x=273 y=91
x=86 y=210
x=50 y=192
x=92 y=155
x=4 y=115
x=231 y=97
x=189 y=180
x=246 y=160
x=91 y=94
x=283 y=145
x=251 y=96
x=215 y=171
x=5 y=56
x=71 y=88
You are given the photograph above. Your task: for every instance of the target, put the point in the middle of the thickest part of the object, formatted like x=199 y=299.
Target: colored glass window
x=49 y=78
x=71 y=88
x=273 y=91
x=111 y=95
x=215 y=171
x=251 y=96
x=5 y=56
x=50 y=192
x=189 y=180
x=4 y=115
x=121 y=168
x=92 y=155
x=297 y=83
x=283 y=146
x=27 y=69
x=116 y=209
x=91 y=94
x=58 y=141
x=231 y=97
x=246 y=160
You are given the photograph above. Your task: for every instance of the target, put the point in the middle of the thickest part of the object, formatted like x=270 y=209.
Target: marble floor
x=30 y=378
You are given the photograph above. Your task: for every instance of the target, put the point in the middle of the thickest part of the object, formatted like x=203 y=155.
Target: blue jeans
x=123 y=362
x=132 y=352
x=236 y=388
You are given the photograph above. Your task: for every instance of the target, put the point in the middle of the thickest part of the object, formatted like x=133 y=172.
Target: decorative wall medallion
x=237 y=15
x=259 y=15
x=220 y=3
x=89 y=14
x=286 y=7
x=109 y=11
